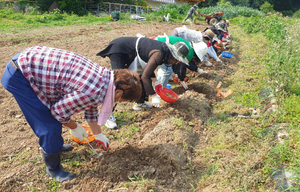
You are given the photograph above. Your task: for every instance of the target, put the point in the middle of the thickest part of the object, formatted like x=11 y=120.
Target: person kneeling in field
x=198 y=36
x=144 y=56
x=196 y=52
x=51 y=84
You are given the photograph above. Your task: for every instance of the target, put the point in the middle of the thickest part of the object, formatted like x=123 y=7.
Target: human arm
x=155 y=59
x=73 y=103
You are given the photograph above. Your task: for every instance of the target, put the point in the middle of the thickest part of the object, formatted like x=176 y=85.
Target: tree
x=267 y=7
x=224 y=3
x=297 y=14
x=244 y=3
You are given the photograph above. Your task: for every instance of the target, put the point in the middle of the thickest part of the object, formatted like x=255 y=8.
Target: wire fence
x=108 y=8
x=105 y=8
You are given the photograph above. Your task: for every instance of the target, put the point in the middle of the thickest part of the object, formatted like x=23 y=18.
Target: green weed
x=141 y=182
x=179 y=122
x=53 y=185
x=127 y=132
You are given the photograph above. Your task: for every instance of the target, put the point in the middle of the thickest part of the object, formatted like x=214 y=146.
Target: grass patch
x=234 y=151
x=141 y=182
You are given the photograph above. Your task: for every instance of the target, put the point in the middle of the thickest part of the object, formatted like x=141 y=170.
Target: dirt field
x=158 y=155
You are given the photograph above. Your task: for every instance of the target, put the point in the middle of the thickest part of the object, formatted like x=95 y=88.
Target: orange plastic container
x=90 y=137
x=166 y=94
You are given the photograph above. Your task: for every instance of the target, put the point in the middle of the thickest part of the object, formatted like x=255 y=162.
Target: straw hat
x=221 y=27
x=228 y=23
x=179 y=51
x=200 y=49
x=208 y=34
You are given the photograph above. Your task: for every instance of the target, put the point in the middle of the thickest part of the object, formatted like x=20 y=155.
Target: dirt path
x=155 y=147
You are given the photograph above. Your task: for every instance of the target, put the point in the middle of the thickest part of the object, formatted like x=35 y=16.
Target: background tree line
x=285 y=6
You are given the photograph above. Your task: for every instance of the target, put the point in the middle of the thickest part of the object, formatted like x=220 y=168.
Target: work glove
x=184 y=85
x=219 y=60
x=176 y=80
x=79 y=132
x=156 y=101
x=102 y=140
x=208 y=64
x=200 y=71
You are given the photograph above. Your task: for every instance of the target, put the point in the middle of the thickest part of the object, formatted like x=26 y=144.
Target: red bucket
x=166 y=94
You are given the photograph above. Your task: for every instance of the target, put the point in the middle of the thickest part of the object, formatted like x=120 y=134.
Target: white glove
x=219 y=60
x=208 y=64
x=102 y=140
x=156 y=101
x=184 y=85
x=139 y=35
x=200 y=71
x=79 y=132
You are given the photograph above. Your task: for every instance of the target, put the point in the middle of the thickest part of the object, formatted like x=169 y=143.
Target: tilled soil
x=159 y=155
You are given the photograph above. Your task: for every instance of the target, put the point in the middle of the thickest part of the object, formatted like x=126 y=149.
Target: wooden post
x=130 y=10
x=109 y=5
x=98 y=7
x=120 y=8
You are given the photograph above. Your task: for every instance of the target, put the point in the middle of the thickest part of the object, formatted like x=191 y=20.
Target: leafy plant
x=267 y=7
x=297 y=14
x=224 y=3
x=179 y=122
x=72 y=6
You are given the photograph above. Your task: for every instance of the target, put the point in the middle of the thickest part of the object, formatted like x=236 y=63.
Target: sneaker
x=111 y=122
x=140 y=106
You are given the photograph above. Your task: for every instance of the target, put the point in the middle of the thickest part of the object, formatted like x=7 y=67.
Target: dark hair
x=206 y=38
x=129 y=82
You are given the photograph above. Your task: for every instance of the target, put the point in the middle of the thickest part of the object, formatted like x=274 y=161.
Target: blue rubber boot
x=54 y=168
x=66 y=147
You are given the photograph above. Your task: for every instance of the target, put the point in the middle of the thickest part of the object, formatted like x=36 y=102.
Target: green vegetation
x=17 y=21
x=11 y=20
x=282 y=62
x=267 y=7
x=141 y=183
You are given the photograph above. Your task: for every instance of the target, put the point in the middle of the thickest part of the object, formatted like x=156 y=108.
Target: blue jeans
x=164 y=74
x=38 y=116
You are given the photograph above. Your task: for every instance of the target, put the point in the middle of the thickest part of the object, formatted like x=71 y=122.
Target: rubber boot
x=54 y=168
x=66 y=147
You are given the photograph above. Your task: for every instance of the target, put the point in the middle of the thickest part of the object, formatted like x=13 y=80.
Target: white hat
x=200 y=49
x=179 y=51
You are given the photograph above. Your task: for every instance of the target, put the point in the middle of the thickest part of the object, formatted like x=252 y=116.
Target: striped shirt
x=65 y=82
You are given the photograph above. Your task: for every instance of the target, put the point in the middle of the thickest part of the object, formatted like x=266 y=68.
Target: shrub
x=267 y=7
x=297 y=14
x=72 y=6
x=224 y=3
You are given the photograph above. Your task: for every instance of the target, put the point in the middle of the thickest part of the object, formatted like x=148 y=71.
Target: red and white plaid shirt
x=65 y=82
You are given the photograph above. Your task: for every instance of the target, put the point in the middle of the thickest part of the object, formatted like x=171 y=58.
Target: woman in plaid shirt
x=51 y=84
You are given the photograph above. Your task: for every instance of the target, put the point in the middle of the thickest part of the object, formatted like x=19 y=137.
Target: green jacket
x=174 y=39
